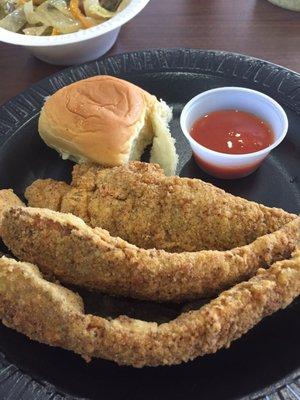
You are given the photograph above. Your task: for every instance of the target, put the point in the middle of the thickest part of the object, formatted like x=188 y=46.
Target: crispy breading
x=50 y=193
x=8 y=199
x=64 y=246
x=58 y=318
x=138 y=203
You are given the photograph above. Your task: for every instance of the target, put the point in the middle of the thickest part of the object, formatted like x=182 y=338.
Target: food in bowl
x=55 y=17
x=78 y=47
x=108 y=121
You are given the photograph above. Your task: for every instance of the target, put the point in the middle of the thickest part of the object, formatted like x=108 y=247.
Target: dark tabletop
x=253 y=27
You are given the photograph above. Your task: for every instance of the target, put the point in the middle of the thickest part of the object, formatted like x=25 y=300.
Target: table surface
x=253 y=27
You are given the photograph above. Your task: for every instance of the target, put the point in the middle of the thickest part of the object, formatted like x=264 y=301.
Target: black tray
x=265 y=363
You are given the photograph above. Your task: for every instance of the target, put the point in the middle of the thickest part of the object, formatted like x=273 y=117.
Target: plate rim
x=35 y=94
x=162 y=67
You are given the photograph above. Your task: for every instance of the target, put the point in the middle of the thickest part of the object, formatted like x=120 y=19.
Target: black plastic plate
x=265 y=363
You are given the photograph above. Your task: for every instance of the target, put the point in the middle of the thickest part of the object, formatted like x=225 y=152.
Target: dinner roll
x=108 y=121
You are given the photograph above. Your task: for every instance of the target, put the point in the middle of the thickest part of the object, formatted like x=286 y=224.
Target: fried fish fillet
x=64 y=246
x=59 y=319
x=138 y=203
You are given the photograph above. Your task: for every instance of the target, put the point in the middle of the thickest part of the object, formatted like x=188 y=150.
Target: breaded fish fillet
x=138 y=203
x=59 y=320
x=64 y=246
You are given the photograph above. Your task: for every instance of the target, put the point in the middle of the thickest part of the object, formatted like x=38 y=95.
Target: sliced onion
x=28 y=7
x=50 y=14
x=52 y=17
x=7 y=7
x=14 y=21
x=30 y=14
x=60 y=5
x=35 y=30
x=94 y=10
x=123 y=4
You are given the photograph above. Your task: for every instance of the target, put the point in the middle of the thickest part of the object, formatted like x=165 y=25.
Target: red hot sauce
x=232 y=132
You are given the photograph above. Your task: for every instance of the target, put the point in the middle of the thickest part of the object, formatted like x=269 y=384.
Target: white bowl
x=75 y=48
x=230 y=166
x=293 y=5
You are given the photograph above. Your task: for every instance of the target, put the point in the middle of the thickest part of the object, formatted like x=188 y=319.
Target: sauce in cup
x=232 y=132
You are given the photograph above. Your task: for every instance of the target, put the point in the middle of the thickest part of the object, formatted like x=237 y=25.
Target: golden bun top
x=95 y=119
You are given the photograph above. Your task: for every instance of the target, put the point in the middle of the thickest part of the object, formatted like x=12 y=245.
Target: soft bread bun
x=109 y=121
